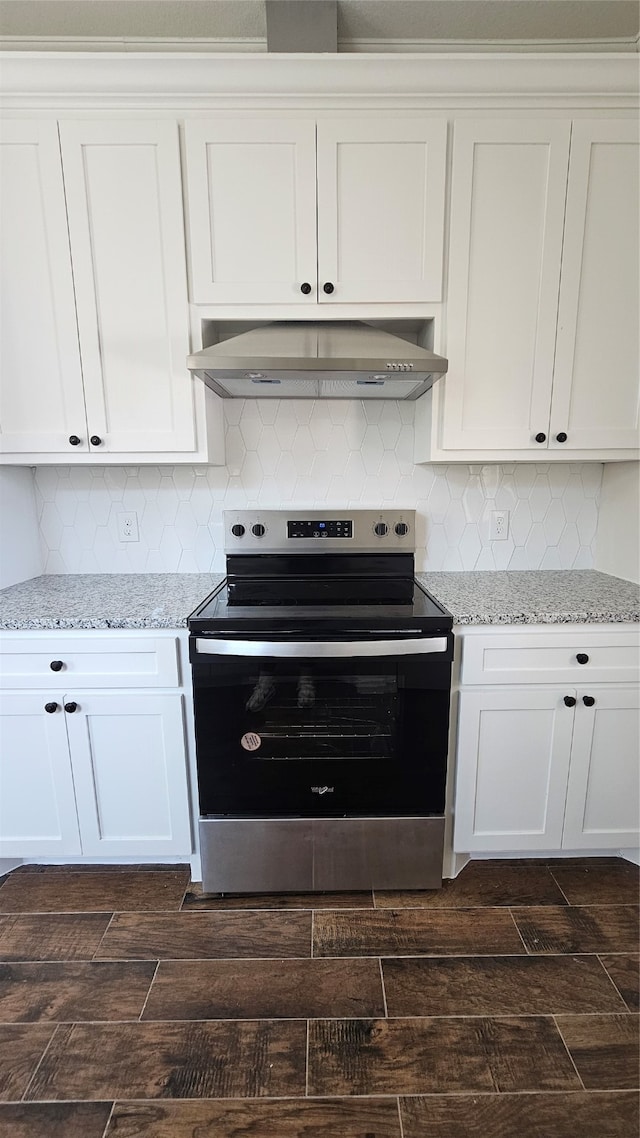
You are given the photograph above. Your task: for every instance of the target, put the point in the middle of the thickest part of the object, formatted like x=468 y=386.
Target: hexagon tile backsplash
x=313 y=454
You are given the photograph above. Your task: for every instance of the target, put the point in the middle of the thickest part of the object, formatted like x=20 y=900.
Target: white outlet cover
x=128 y=526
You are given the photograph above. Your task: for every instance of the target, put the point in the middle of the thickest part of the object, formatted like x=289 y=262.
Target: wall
x=21 y=556
x=312 y=454
x=618 y=535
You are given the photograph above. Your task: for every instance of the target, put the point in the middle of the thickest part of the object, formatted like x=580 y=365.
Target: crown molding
x=188 y=78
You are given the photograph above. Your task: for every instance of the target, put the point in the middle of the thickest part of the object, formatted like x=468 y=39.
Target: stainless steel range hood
x=330 y=360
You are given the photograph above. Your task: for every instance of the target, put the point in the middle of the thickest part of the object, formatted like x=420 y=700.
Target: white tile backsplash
x=314 y=454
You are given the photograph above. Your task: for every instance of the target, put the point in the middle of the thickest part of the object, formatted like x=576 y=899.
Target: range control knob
x=380 y=529
x=258 y=530
x=237 y=530
x=401 y=528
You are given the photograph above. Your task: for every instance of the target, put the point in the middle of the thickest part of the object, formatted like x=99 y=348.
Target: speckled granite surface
x=105 y=600
x=164 y=600
x=535 y=597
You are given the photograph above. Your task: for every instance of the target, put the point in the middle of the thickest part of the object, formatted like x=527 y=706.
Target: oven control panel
x=289 y=531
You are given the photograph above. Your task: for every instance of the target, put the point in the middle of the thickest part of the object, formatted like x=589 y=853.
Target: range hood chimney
x=326 y=360
x=302 y=25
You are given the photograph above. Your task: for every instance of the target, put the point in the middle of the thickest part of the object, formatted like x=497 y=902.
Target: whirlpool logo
x=322 y=789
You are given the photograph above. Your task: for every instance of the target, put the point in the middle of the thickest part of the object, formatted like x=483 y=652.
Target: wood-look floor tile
x=498 y=985
x=52 y=936
x=196 y=899
x=561 y=1115
x=411 y=932
x=171 y=1060
x=197 y=936
x=482 y=883
x=419 y=1056
x=91 y=892
x=66 y=993
x=104 y=867
x=599 y=883
x=268 y=989
x=21 y=1048
x=575 y=930
x=604 y=1048
x=625 y=973
x=54 y=1119
x=282 y=1118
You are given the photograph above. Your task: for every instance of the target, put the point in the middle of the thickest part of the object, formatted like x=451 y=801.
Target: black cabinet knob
x=56 y=665
x=562 y=437
x=588 y=700
x=237 y=530
x=327 y=287
x=74 y=440
x=305 y=288
x=570 y=700
x=380 y=529
x=257 y=530
x=71 y=707
x=95 y=441
x=401 y=528
x=582 y=658
x=541 y=437
x=51 y=707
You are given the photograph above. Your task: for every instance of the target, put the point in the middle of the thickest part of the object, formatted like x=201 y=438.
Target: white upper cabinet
x=381 y=196
x=41 y=396
x=252 y=210
x=275 y=218
x=595 y=384
x=507 y=211
x=124 y=204
x=542 y=314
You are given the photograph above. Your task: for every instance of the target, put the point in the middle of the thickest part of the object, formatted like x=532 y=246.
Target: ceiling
x=363 y=25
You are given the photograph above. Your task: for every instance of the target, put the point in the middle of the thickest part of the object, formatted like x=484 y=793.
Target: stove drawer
x=55 y=661
x=547 y=657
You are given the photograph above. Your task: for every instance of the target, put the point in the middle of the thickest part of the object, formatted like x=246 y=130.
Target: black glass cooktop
x=419 y=611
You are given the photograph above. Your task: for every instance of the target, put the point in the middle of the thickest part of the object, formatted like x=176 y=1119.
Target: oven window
x=308 y=714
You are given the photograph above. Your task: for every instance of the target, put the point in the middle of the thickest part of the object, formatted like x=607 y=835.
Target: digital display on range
x=329 y=528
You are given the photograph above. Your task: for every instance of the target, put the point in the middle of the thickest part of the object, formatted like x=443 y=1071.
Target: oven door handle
x=321 y=648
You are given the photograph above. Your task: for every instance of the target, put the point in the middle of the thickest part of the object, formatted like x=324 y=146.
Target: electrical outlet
x=499 y=525
x=128 y=527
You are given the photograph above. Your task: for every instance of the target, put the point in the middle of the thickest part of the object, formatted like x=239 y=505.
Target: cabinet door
x=603 y=796
x=595 y=383
x=507 y=210
x=252 y=210
x=37 y=801
x=513 y=759
x=41 y=397
x=124 y=202
x=129 y=770
x=381 y=193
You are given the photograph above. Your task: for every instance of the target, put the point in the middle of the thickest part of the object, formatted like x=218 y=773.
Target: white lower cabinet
x=603 y=793
x=513 y=762
x=93 y=773
x=542 y=767
x=127 y=757
x=37 y=800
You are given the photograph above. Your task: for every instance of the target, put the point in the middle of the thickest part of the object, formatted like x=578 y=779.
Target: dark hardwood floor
x=505 y=1004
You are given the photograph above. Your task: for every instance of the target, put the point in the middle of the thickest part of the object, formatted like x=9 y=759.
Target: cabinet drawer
x=93 y=662
x=549 y=658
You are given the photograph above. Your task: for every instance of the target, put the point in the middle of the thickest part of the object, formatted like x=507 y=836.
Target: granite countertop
x=547 y=596
x=105 y=600
x=165 y=600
